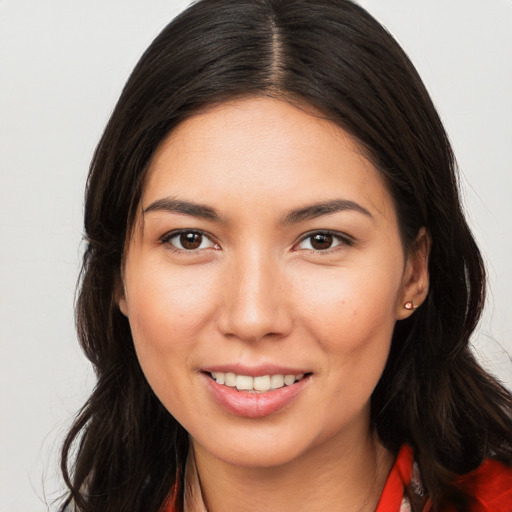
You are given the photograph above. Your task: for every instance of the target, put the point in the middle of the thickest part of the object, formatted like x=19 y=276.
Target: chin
x=251 y=448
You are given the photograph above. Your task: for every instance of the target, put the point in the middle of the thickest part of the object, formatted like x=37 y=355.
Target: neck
x=338 y=476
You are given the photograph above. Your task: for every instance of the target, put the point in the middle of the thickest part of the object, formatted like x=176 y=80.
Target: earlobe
x=416 y=278
x=123 y=306
x=120 y=296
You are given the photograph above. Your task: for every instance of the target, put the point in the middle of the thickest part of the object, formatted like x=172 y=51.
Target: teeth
x=219 y=377
x=289 y=379
x=244 y=383
x=260 y=384
x=277 y=381
x=230 y=379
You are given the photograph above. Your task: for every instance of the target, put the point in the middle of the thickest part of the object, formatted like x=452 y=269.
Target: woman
x=279 y=284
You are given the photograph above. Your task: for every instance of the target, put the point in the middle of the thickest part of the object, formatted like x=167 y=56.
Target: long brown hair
x=125 y=451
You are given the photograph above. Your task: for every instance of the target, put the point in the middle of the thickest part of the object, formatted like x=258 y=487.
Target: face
x=262 y=281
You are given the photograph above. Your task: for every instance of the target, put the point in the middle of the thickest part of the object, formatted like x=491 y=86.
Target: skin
x=256 y=292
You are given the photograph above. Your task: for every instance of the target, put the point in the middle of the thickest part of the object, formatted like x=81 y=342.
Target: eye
x=188 y=240
x=323 y=241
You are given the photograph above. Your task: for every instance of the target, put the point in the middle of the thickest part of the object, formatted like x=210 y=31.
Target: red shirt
x=490 y=485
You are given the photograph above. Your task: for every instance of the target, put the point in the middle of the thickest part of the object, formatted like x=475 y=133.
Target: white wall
x=62 y=66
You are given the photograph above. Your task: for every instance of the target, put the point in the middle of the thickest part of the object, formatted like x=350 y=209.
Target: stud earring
x=409 y=305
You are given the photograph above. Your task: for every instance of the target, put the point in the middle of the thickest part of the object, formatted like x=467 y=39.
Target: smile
x=255 y=396
x=258 y=384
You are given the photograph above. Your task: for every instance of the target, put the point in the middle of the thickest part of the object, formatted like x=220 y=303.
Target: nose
x=256 y=300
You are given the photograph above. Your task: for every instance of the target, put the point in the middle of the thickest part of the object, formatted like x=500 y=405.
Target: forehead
x=268 y=152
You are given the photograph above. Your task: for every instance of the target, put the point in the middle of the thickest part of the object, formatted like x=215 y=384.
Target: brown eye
x=321 y=241
x=191 y=241
x=188 y=241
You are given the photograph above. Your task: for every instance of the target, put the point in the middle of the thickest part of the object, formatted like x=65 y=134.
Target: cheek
x=352 y=312
x=167 y=304
x=167 y=309
x=352 y=317
x=350 y=305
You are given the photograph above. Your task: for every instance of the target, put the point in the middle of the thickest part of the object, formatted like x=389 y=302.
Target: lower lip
x=254 y=405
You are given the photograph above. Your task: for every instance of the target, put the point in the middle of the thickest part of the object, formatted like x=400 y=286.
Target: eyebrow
x=324 y=208
x=168 y=204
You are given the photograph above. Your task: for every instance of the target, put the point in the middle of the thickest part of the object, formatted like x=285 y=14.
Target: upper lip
x=257 y=370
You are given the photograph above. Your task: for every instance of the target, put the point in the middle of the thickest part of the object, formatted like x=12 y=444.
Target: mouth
x=257 y=384
x=263 y=392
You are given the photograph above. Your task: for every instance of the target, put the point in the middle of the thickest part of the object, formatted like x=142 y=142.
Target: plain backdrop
x=62 y=66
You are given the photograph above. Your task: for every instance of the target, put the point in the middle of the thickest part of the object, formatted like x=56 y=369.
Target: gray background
x=62 y=66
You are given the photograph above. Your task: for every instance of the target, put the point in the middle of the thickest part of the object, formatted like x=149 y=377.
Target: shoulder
x=489 y=486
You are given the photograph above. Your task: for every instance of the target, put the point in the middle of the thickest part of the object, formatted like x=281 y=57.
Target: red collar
x=489 y=486
x=399 y=477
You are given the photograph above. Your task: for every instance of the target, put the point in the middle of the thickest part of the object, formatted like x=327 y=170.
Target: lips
x=255 y=393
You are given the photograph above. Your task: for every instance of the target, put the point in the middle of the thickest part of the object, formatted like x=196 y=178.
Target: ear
x=416 y=279
x=120 y=295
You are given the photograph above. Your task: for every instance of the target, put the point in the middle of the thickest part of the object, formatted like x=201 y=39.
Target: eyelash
x=168 y=237
x=342 y=239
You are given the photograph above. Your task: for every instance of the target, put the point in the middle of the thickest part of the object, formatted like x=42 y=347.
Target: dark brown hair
x=125 y=451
